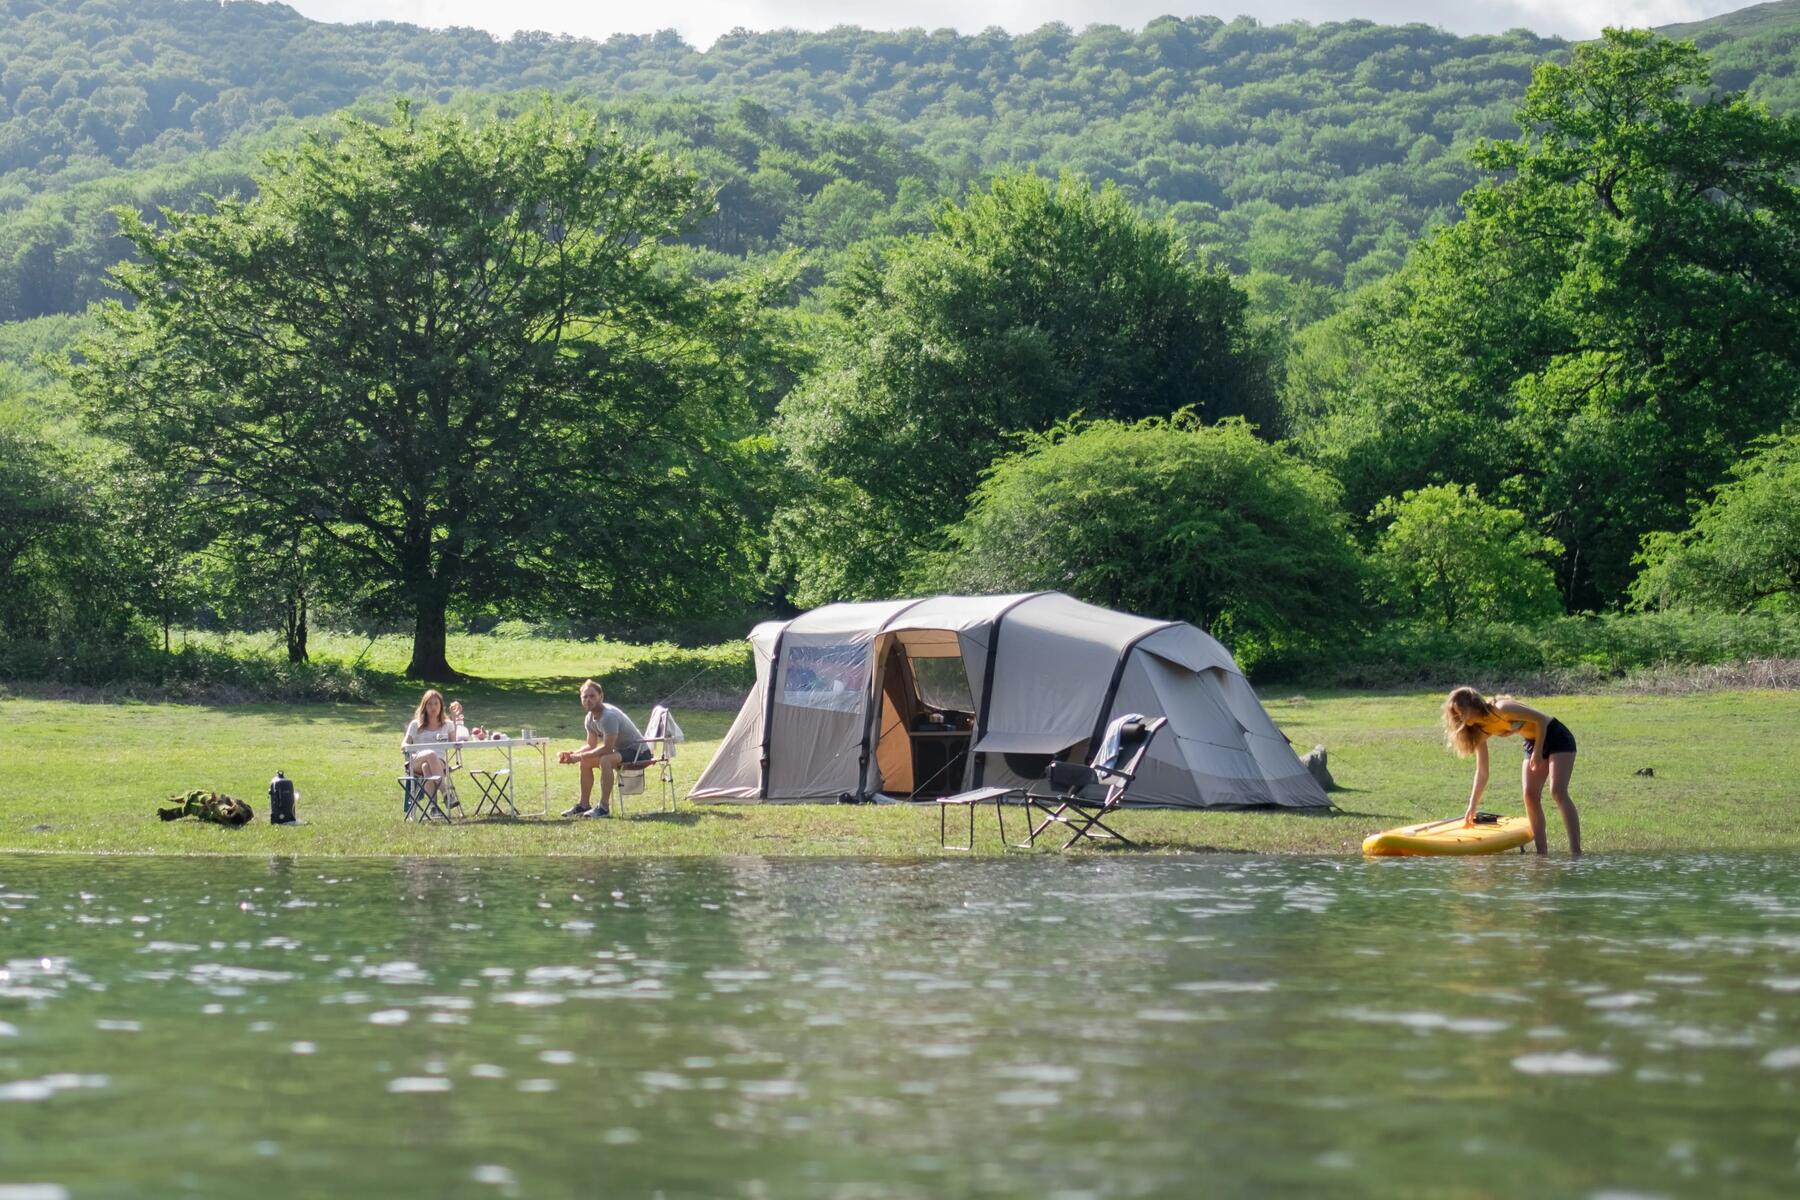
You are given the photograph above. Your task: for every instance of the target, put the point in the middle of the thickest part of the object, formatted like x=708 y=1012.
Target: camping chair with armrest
x=418 y=802
x=660 y=733
x=1083 y=796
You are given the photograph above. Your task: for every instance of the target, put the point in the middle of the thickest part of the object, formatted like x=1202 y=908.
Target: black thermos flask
x=281 y=800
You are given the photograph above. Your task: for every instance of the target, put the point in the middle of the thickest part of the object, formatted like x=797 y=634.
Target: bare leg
x=1561 y=767
x=587 y=782
x=429 y=765
x=1533 y=782
x=609 y=763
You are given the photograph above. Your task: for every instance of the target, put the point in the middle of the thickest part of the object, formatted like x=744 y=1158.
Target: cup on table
x=525 y=734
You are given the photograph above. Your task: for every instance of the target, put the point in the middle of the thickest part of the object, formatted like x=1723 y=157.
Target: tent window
x=831 y=677
x=943 y=684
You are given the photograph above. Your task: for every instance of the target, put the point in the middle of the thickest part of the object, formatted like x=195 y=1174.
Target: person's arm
x=596 y=746
x=406 y=738
x=1481 y=778
x=1512 y=708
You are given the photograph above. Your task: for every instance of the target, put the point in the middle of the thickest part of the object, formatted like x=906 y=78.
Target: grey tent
x=909 y=699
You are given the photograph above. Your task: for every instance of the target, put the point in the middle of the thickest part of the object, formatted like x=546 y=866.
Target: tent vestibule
x=911 y=699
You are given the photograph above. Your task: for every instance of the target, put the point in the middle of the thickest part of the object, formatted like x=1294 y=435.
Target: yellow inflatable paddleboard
x=1450 y=837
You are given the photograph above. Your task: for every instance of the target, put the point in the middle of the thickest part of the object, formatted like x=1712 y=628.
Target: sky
x=701 y=21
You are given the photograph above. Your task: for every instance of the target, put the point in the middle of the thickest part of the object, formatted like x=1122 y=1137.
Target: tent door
x=923 y=676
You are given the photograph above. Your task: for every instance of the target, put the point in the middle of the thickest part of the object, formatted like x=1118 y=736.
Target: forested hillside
x=1314 y=152
x=1304 y=333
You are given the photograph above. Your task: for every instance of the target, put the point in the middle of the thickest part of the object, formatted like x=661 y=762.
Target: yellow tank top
x=1499 y=726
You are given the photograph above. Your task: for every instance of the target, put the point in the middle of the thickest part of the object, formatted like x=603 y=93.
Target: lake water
x=1042 y=1027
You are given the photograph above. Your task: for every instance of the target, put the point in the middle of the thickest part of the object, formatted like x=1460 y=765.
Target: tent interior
x=927 y=715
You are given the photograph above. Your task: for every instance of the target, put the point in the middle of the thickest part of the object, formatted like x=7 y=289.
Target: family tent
x=912 y=699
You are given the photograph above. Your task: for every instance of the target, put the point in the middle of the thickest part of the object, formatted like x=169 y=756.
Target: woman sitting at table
x=430 y=726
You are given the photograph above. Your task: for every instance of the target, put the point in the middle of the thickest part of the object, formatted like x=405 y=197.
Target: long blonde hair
x=420 y=713
x=1466 y=715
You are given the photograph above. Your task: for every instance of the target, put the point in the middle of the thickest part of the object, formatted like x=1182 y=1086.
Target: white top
x=418 y=733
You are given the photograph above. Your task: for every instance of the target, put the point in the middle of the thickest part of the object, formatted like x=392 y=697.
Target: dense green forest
x=1306 y=333
x=1315 y=152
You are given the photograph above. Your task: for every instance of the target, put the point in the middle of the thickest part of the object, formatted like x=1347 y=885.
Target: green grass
x=86 y=777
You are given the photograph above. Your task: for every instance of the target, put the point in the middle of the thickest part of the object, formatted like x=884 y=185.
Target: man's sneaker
x=598 y=812
x=577 y=811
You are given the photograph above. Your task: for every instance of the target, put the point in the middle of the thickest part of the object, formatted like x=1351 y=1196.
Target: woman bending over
x=1470 y=720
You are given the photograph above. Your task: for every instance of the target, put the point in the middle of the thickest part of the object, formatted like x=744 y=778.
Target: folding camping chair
x=1082 y=796
x=419 y=803
x=661 y=732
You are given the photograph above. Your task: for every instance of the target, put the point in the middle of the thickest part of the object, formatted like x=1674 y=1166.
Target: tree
x=1168 y=516
x=1618 y=316
x=1742 y=550
x=1448 y=552
x=1031 y=302
x=454 y=351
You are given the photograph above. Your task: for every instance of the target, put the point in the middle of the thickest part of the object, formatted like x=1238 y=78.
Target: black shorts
x=1557 y=740
x=642 y=755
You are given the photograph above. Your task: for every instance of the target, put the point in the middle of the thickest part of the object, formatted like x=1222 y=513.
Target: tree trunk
x=429 y=638
x=296 y=628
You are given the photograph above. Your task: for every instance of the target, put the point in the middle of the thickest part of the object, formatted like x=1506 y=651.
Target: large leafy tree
x=1033 y=301
x=1166 y=516
x=457 y=353
x=1616 y=319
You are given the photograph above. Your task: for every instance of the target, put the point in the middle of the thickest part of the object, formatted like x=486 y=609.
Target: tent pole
x=769 y=710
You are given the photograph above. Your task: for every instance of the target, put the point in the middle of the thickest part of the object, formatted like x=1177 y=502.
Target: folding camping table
x=498 y=794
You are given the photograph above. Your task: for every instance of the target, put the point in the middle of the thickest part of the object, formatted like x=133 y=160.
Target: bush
x=137 y=665
x=1174 y=518
x=1743 y=548
x=1449 y=555
x=1572 y=650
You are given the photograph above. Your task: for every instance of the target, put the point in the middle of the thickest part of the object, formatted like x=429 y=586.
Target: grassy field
x=83 y=776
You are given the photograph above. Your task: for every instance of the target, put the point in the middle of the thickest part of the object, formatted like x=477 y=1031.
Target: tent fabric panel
x=958 y=614
x=762 y=642
x=1056 y=657
x=1164 y=779
x=822 y=683
x=813 y=752
x=1191 y=647
x=735 y=772
x=1070 y=619
x=1280 y=765
x=852 y=623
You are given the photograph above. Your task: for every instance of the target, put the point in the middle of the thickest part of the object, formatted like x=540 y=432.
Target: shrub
x=1169 y=517
x=1571 y=650
x=1743 y=548
x=1450 y=555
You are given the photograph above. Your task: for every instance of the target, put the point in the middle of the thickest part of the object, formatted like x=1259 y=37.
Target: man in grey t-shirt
x=613 y=740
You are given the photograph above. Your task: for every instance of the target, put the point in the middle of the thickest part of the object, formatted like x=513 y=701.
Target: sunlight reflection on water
x=837 y=1028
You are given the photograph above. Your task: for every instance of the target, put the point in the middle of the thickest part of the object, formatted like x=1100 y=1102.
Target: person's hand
x=565 y=757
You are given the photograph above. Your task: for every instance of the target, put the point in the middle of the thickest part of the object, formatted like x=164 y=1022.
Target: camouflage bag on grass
x=216 y=807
